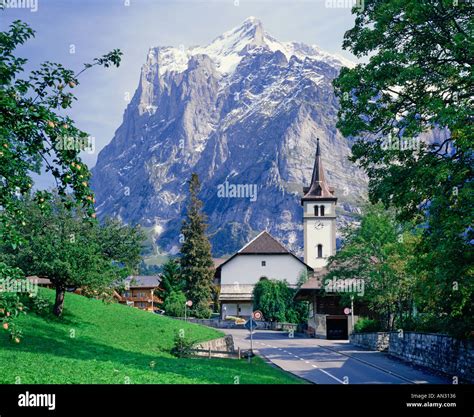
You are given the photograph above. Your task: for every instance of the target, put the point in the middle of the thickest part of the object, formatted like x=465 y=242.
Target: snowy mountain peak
x=228 y=49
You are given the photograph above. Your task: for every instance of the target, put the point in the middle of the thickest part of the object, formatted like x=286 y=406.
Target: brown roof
x=264 y=243
x=143 y=281
x=319 y=188
x=315 y=283
x=218 y=261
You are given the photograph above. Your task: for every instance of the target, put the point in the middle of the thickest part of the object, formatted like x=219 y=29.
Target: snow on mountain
x=246 y=109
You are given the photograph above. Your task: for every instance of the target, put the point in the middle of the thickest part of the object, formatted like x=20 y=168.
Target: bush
x=202 y=310
x=366 y=325
x=182 y=347
x=174 y=304
x=39 y=305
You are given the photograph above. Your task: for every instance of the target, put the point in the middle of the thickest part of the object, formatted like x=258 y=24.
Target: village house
x=140 y=292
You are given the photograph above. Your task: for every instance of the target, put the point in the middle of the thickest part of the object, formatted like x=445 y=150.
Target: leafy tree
x=275 y=299
x=196 y=259
x=59 y=244
x=174 y=304
x=35 y=133
x=381 y=254
x=418 y=81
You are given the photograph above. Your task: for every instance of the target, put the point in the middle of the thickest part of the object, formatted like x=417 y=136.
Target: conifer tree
x=196 y=259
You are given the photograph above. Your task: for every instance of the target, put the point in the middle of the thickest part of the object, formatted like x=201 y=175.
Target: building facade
x=263 y=257
x=140 y=292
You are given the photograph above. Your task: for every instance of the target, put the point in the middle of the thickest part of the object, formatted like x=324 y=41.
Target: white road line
x=328 y=374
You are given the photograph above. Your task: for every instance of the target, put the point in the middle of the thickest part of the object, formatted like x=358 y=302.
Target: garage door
x=336 y=328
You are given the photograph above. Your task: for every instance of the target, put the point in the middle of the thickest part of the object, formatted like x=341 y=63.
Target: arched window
x=316 y=210
x=320 y=251
x=322 y=210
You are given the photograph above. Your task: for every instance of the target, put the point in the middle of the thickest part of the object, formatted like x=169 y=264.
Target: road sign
x=257 y=315
x=189 y=303
x=347 y=311
x=250 y=324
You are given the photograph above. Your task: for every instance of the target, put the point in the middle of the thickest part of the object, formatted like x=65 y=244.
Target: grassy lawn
x=97 y=343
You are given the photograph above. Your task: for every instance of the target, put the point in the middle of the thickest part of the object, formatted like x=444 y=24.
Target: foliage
x=366 y=325
x=380 y=254
x=183 y=347
x=171 y=280
x=418 y=80
x=196 y=259
x=174 y=304
x=59 y=244
x=116 y=344
x=275 y=299
x=11 y=303
x=35 y=133
x=201 y=310
x=39 y=304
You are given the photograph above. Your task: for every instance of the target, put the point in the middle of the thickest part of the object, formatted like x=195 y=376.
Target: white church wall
x=248 y=269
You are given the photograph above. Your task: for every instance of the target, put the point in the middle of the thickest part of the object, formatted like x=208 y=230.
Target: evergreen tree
x=171 y=280
x=196 y=259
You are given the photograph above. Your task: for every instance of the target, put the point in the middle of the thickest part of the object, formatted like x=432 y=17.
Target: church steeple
x=318 y=189
x=319 y=217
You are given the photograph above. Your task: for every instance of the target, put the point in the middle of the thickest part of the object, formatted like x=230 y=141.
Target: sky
x=73 y=32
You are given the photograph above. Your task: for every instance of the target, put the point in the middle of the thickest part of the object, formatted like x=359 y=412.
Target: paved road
x=331 y=362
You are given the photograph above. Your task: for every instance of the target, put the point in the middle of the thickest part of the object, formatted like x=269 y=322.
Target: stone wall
x=373 y=341
x=222 y=347
x=438 y=352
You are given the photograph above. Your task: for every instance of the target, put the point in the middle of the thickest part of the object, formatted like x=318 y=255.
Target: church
x=265 y=257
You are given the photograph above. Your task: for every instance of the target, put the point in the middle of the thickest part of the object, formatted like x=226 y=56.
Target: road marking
x=328 y=374
x=332 y=376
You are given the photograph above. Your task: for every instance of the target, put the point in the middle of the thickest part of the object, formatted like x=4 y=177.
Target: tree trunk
x=59 y=302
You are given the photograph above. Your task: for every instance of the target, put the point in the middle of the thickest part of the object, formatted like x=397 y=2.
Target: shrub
x=38 y=305
x=182 y=347
x=202 y=310
x=366 y=325
x=174 y=304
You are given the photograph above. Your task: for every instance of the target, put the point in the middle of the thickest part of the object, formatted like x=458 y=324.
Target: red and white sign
x=257 y=315
x=347 y=310
x=189 y=303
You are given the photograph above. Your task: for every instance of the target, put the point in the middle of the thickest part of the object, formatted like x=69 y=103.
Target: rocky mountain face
x=244 y=113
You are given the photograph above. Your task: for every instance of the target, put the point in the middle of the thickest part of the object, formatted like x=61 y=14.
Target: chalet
x=263 y=257
x=140 y=292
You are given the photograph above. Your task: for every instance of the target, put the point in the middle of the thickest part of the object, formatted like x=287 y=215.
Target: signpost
x=188 y=303
x=257 y=315
x=250 y=325
x=352 y=313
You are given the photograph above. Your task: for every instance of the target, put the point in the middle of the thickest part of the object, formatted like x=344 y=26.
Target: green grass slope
x=97 y=343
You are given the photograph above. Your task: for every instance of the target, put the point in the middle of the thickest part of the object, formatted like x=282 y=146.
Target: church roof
x=319 y=188
x=264 y=243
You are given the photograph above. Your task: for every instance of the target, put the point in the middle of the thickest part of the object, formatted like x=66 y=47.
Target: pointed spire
x=318 y=189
